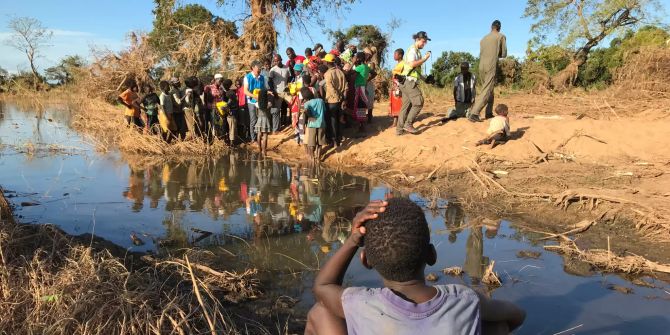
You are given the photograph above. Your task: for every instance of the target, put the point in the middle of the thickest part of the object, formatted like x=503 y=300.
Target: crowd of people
x=315 y=94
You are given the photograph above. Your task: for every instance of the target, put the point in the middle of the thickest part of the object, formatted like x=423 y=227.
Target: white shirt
x=497 y=124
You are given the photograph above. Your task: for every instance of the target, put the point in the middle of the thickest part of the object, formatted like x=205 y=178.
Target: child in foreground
x=397 y=245
x=498 y=131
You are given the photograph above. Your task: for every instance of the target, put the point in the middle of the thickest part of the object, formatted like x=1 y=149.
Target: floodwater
x=287 y=221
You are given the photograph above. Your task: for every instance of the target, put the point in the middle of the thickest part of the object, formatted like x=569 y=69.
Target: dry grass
x=51 y=283
x=646 y=71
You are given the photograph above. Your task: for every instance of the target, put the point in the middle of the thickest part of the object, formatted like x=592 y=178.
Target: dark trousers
x=180 y=122
x=333 y=131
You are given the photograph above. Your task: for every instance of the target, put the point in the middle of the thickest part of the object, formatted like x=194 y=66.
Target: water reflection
x=248 y=196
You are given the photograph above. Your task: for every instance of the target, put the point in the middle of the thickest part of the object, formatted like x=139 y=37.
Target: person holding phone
x=412 y=101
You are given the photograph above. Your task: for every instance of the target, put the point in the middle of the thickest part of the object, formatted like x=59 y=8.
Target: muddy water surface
x=288 y=220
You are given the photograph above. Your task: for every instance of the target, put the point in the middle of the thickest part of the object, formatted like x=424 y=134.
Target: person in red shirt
x=293 y=59
x=242 y=103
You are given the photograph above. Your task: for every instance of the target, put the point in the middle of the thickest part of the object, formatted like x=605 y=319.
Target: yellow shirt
x=398 y=68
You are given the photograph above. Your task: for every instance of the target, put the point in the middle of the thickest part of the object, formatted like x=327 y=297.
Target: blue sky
x=452 y=25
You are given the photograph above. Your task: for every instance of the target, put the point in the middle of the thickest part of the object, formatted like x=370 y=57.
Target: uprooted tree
x=580 y=25
x=29 y=36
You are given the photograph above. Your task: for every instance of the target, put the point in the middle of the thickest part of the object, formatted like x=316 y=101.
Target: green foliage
x=171 y=24
x=602 y=63
x=66 y=70
x=364 y=36
x=448 y=66
x=578 y=22
x=554 y=58
x=509 y=71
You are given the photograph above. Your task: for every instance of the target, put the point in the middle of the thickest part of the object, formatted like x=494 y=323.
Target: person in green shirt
x=363 y=75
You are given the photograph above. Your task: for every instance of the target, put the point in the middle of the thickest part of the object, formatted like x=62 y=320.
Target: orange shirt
x=130 y=97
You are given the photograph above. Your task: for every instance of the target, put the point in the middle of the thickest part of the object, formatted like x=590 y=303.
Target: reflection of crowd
x=274 y=198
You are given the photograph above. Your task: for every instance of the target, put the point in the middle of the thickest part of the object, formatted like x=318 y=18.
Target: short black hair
x=400 y=51
x=164 y=85
x=361 y=56
x=306 y=94
x=323 y=68
x=227 y=83
x=308 y=52
x=192 y=82
x=397 y=242
x=496 y=25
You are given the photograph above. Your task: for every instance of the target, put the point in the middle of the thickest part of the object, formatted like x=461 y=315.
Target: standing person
x=370 y=88
x=194 y=109
x=336 y=87
x=150 y=103
x=464 y=93
x=265 y=70
x=361 y=102
x=130 y=99
x=491 y=48
x=178 y=114
x=293 y=59
x=254 y=82
x=280 y=76
x=166 y=112
x=243 y=112
x=214 y=95
x=263 y=124
x=315 y=109
x=395 y=96
x=230 y=97
x=412 y=98
x=338 y=48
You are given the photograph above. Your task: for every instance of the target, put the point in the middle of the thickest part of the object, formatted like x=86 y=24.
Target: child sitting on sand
x=498 y=131
x=397 y=245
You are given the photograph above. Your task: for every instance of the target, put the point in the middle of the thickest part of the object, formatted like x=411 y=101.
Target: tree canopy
x=580 y=25
x=65 y=72
x=448 y=66
x=29 y=36
x=364 y=36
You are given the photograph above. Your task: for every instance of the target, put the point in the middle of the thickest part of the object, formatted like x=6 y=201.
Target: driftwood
x=605 y=260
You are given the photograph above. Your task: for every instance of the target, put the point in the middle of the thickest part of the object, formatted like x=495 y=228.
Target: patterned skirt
x=361 y=105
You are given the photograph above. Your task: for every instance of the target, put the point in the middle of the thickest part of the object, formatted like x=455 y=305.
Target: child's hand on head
x=368 y=213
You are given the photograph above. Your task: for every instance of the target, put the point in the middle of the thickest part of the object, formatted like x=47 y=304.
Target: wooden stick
x=197 y=295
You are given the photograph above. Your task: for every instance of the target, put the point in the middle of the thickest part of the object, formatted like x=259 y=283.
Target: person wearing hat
x=491 y=48
x=254 y=81
x=336 y=87
x=280 y=76
x=178 y=115
x=412 y=98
